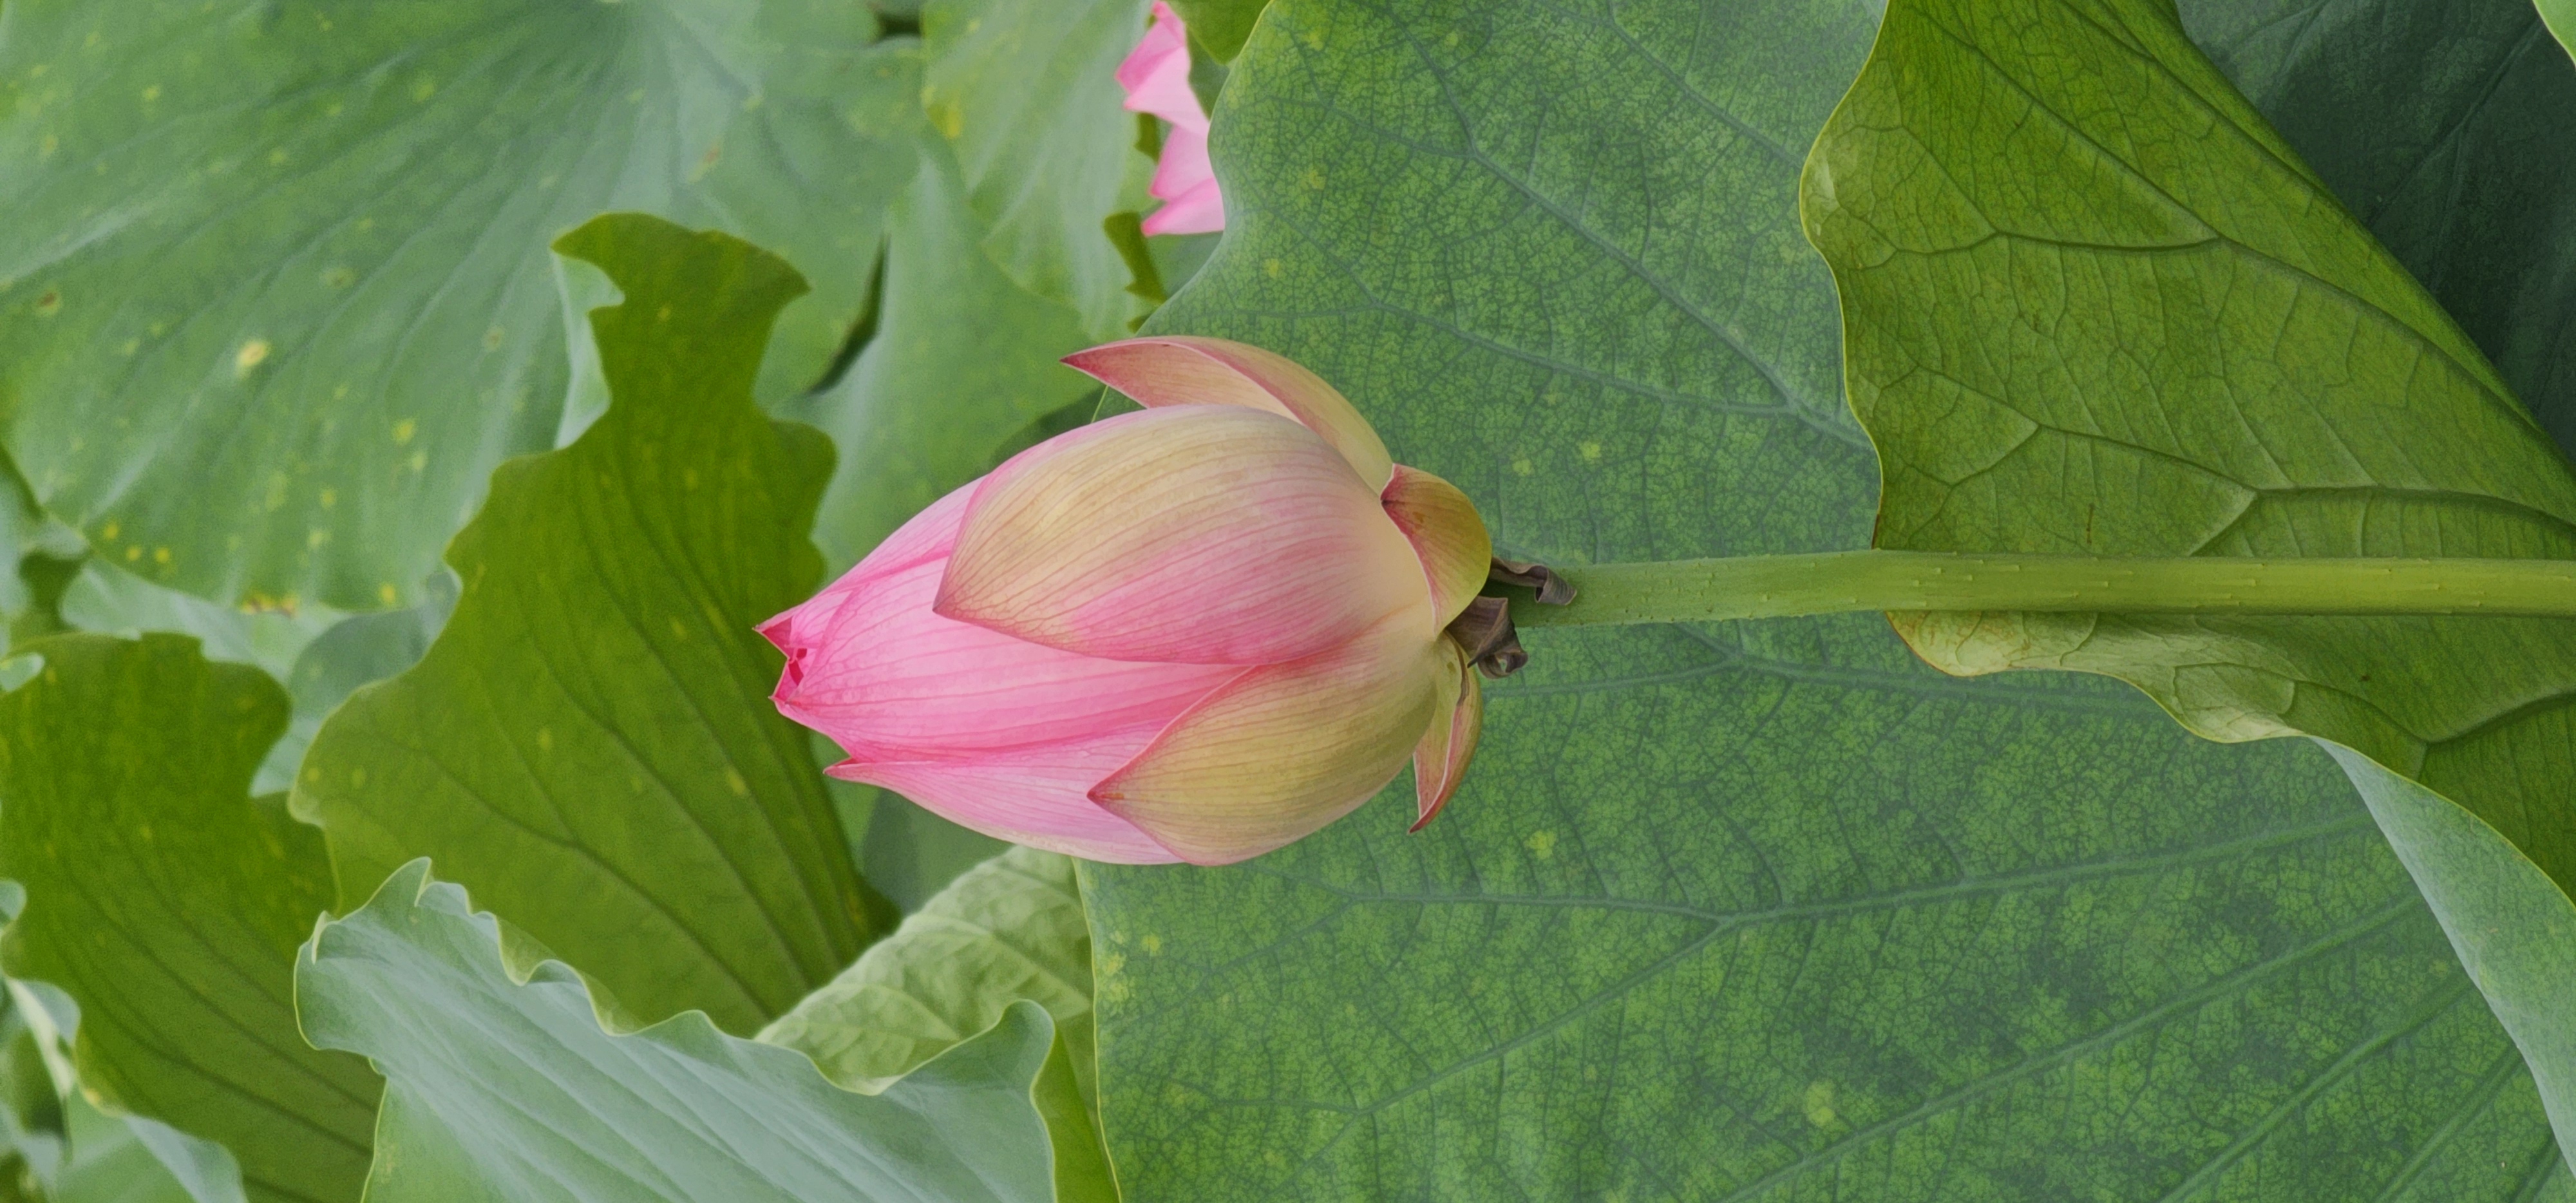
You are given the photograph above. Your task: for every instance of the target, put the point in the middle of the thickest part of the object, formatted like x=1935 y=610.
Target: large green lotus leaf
x=589 y=743
x=2442 y=127
x=2094 y=304
x=962 y=358
x=1008 y=929
x=1756 y=911
x=169 y=903
x=503 y=1087
x=274 y=279
x=1026 y=94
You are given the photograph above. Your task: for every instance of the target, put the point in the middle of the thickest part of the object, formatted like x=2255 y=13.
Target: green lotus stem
x=1848 y=581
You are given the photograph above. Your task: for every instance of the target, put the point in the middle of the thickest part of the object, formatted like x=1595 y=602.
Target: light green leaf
x=589 y=744
x=109 y=1163
x=112 y=601
x=1025 y=92
x=274 y=279
x=504 y=1088
x=1008 y=929
x=169 y=903
x=1220 y=26
x=1755 y=911
x=2443 y=127
x=962 y=359
x=2561 y=16
x=2106 y=309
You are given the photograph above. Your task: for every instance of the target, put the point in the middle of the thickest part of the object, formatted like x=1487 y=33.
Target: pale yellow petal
x=1199 y=534
x=1447 y=537
x=1173 y=369
x=1457 y=721
x=1282 y=750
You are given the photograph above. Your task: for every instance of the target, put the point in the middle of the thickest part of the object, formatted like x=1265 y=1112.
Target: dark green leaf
x=589 y=744
x=274 y=276
x=504 y=1088
x=1757 y=911
x=169 y=903
x=2094 y=304
x=2443 y=127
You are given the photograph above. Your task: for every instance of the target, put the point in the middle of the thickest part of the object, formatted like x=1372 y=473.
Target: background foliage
x=1745 y=911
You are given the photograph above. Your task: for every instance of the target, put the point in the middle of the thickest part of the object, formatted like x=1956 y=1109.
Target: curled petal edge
x=1447 y=536
x=1457 y=721
x=1173 y=369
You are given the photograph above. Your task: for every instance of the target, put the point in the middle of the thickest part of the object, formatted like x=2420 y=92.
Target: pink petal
x=1197 y=211
x=1195 y=534
x=889 y=680
x=1035 y=798
x=1184 y=168
x=1156 y=74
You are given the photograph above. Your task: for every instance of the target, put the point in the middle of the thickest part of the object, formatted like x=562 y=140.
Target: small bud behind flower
x=1198 y=632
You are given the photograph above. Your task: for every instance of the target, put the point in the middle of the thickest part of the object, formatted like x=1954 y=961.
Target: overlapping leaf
x=2182 y=345
x=1006 y=930
x=2442 y=127
x=589 y=745
x=1025 y=95
x=169 y=903
x=274 y=279
x=1755 y=911
x=500 y=1088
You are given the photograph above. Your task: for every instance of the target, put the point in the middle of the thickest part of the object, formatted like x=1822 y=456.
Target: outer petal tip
x=1175 y=369
x=1450 y=539
x=1440 y=760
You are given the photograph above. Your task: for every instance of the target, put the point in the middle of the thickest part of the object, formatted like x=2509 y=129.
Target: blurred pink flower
x=1194 y=633
x=1157 y=78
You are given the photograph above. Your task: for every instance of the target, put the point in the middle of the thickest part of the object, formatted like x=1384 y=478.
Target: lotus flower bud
x=1197 y=632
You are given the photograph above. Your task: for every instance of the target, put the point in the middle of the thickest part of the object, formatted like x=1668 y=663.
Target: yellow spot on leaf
x=134 y=553
x=252 y=354
x=734 y=782
x=1270 y=268
x=403 y=430
x=1522 y=467
x=1591 y=452
x=330 y=497
x=46 y=148
x=1819 y=1102
x=316 y=538
x=152 y=93
x=1153 y=945
x=418 y=460
x=545 y=739
x=424 y=88
x=109 y=531
x=386 y=593
x=357 y=778
x=277 y=157
x=1542 y=844
x=161 y=555
x=1314 y=178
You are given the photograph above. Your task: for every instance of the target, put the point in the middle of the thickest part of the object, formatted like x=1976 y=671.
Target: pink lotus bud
x=1156 y=75
x=1193 y=633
